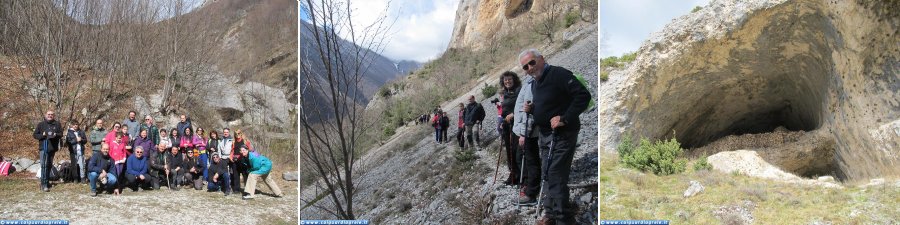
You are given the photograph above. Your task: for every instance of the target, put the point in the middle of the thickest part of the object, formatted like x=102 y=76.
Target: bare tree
x=547 y=17
x=332 y=146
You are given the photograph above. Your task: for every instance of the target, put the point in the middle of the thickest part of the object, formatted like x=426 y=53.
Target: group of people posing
x=141 y=156
x=538 y=124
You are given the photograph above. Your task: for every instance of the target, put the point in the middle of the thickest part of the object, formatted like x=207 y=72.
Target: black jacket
x=54 y=134
x=445 y=122
x=509 y=101
x=157 y=161
x=559 y=93
x=218 y=168
x=71 y=141
x=100 y=163
x=474 y=113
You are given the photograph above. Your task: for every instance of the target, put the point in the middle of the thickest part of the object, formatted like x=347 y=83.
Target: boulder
x=36 y=169
x=265 y=105
x=694 y=189
x=24 y=163
x=290 y=176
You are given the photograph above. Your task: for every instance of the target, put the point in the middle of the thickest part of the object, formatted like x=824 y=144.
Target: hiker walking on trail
x=445 y=125
x=97 y=135
x=461 y=126
x=436 y=123
x=101 y=168
x=559 y=98
x=523 y=127
x=474 y=114
x=48 y=133
x=511 y=85
x=76 y=139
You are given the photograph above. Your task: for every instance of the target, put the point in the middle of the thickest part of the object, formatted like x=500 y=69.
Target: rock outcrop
x=480 y=20
x=748 y=67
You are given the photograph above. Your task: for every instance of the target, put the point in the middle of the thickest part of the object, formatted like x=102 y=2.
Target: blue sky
x=625 y=24
x=421 y=31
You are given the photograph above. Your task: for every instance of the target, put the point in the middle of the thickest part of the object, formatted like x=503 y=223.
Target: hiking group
x=538 y=125
x=141 y=156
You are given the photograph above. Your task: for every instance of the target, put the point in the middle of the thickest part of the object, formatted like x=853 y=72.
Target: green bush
x=489 y=90
x=696 y=8
x=384 y=91
x=604 y=75
x=571 y=18
x=628 y=57
x=702 y=165
x=611 y=61
x=660 y=157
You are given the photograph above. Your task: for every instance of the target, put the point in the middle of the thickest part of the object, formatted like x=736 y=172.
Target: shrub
x=489 y=90
x=611 y=61
x=604 y=75
x=628 y=57
x=660 y=157
x=566 y=44
x=571 y=18
x=696 y=8
x=384 y=91
x=702 y=165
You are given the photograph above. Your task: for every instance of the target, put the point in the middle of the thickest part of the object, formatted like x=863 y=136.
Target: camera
x=495 y=101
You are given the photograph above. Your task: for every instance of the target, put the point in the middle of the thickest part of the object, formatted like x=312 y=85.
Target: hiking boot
x=248 y=197
x=93 y=193
x=545 y=221
x=45 y=189
x=525 y=201
x=227 y=193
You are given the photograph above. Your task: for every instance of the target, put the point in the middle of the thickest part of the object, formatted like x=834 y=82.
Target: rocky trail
x=411 y=179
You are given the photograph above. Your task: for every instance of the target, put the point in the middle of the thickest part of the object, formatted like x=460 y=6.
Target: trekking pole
x=545 y=168
x=497 y=168
x=522 y=168
x=166 y=166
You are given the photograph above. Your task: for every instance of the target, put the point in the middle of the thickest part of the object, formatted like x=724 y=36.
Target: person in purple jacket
x=136 y=171
x=144 y=140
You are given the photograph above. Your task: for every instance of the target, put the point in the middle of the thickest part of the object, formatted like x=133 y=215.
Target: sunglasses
x=530 y=63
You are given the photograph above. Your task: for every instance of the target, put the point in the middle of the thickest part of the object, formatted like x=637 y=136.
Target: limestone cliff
x=746 y=67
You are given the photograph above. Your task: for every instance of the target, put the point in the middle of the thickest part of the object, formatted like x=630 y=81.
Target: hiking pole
x=522 y=168
x=497 y=168
x=545 y=168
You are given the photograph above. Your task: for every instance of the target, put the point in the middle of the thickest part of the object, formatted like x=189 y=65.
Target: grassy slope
x=630 y=194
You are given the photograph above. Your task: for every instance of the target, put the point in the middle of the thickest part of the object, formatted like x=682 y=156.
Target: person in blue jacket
x=100 y=166
x=260 y=166
x=136 y=171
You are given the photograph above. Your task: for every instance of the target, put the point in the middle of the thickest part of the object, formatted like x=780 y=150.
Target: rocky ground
x=413 y=180
x=73 y=202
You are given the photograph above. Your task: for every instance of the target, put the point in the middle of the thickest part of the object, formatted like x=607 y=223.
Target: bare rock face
x=748 y=67
x=480 y=20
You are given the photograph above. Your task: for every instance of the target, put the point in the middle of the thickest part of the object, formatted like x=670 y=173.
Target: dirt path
x=21 y=199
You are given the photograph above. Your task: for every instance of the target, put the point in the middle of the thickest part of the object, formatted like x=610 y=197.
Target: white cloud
x=421 y=31
x=625 y=24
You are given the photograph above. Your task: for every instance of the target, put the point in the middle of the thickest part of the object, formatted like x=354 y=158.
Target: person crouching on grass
x=260 y=166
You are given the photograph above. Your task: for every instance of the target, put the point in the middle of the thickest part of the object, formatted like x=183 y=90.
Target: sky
x=421 y=31
x=625 y=24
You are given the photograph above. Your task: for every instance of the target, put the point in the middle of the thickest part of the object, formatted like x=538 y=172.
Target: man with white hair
x=152 y=130
x=558 y=98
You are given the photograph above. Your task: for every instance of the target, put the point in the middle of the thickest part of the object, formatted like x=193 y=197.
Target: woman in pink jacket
x=118 y=154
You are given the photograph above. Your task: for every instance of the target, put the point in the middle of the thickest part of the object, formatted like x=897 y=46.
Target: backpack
x=6 y=168
x=591 y=102
x=63 y=170
x=445 y=122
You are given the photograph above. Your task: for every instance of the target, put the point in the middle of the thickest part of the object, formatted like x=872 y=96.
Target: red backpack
x=6 y=167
